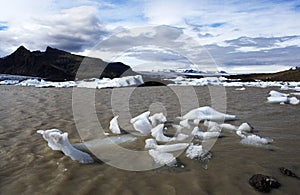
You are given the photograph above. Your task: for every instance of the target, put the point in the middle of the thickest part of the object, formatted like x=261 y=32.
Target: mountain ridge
x=58 y=65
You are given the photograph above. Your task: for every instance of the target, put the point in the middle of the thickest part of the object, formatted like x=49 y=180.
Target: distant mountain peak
x=21 y=50
x=54 y=50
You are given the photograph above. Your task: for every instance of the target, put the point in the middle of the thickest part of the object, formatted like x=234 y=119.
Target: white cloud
x=71 y=29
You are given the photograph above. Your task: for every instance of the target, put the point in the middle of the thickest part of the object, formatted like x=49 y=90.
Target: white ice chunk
x=207 y=113
x=60 y=141
x=142 y=116
x=194 y=151
x=114 y=126
x=47 y=136
x=281 y=98
x=246 y=127
x=157 y=133
x=255 y=140
x=278 y=94
x=240 y=89
x=278 y=99
x=152 y=144
x=204 y=135
x=293 y=100
x=162 y=158
x=228 y=127
x=141 y=123
x=157 y=118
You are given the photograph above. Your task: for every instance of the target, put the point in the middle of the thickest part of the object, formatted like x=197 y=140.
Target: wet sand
x=29 y=166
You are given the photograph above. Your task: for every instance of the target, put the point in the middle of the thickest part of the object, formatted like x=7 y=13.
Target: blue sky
x=241 y=36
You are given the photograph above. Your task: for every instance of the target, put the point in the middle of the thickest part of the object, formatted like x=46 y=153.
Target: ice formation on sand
x=194 y=151
x=152 y=144
x=106 y=142
x=253 y=139
x=57 y=140
x=157 y=118
x=246 y=127
x=256 y=140
x=157 y=133
x=114 y=126
x=281 y=98
x=162 y=158
x=240 y=89
x=204 y=135
x=207 y=113
x=227 y=127
x=141 y=123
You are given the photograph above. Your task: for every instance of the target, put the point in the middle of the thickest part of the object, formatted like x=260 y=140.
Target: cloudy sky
x=236 y=35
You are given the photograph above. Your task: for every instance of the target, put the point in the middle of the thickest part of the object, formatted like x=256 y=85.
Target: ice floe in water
x=281 y=98
x=91 y=83
x=43 y=83
x=57 y=140
x=114 y=126
x=111 y=83
x=206 y=81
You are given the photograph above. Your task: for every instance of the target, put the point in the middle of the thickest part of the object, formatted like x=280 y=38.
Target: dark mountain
x=58 y=65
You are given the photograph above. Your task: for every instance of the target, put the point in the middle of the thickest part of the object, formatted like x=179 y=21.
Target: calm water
x=29 y=166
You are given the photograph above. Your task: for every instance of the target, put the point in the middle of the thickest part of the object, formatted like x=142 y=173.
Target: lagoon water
x=29 y=166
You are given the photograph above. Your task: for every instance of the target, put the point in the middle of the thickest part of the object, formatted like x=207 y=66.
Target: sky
x=232 y=35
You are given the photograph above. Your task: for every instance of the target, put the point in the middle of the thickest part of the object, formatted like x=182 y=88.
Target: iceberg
x=111 y=83
x=57 y=140
x=162 y=158
x=43 y=83
x=114 y=126
x=207 y=113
